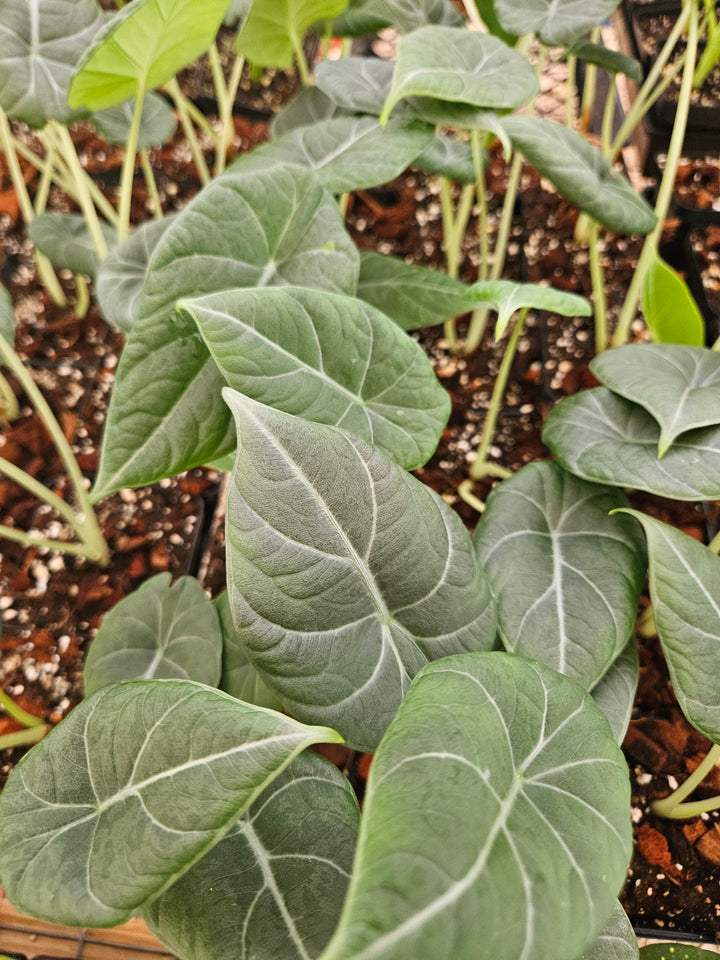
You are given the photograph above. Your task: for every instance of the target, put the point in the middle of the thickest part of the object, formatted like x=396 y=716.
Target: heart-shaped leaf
x=41 y=42
x=328 y=358
x=347 y=153
x=272 y=33
x=461 y=66
x=448 y=157
x=239 y=677
x=507 y=297
x=146 y=798
x=556 y=22
x=278 y=878
x=286 y=230
x=157 y=124
x=65 y=240
x=678 y=385
x=669 y=307
x=615 y=692
x=157 y=632
x=121 y=275
x=566 y=577
x=365 y=17
x=309 y=106
x=142 y=47
x=617 y=941
x=602 y=437
x=496 y=814
x=412 y=295
x=580 y=173
x=607 y=59
x=684 y=578
x=357 y=84
x=7 y=316
x=352 y=579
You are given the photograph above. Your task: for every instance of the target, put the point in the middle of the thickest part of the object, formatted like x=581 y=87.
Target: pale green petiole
x=673 y=807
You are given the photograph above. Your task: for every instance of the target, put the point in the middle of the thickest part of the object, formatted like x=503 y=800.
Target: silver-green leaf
x=278 y=878
x=157 y=124
x=495 y=820
x=556 y=22
x=617 y=941
x=346 y=574
x=614 y=693
x=160 y=771
x=66 y=241
x=239 y=677
x=7 y=316
x=328 y=358
x=157 y=632
x=678 y=385
x=566 y=577
x=684 y=578
x=602 y=437
x=166 y=413
x=507 y=297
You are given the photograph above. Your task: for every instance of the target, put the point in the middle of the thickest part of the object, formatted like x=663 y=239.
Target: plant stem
x=300 y=58
x=85 y=522
x=473 y=16
x=84 y=199
x=17 y=713
x=454 y=225
x=598 y=288
x=23 y=737
x=146 y=166
x=714 y=544
x=588 y=98
x=667 y=184
x=39 y=490
x=480 y=466
x=465 y=493
x=182 y=108
x=225 y=94
x=673 y=808
x=9 y=408
x=82 y=296
x=570 y=98
x=127 y=176
x=608 y=117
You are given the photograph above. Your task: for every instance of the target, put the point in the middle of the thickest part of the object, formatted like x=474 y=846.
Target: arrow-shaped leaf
x=507 y=297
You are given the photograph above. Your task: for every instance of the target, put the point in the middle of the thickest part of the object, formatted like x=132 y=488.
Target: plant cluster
x=492 y=676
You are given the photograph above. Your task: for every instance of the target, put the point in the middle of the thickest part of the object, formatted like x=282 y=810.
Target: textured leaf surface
x=121 y=275
x=239 y=677
x=460 y=66
x=556 y=22
x=7 y=316
x=617 y=940
x=684 y=578
x=678 y=385
x=607 y=439
x=448 y=157
x=278 y=878
x=65 y=240
x=669 y=307
x=580 y=173
x=496 y=813
x=412 y=295
x=272 y=32
x=615 y=692
x=166 y=412
x=368 y=16
x=346 y=574
x=675 y=951
x=507 y=297
x=358 y=84
x=309 y=106
x=607 y=59
x=41 y=43
x=144 y=45
x=160 y=771
x=157 y=632
x=157 y=124
x=328 y=358
x=566 y=577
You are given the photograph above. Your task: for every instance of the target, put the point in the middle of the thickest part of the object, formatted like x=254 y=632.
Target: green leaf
x=615 y=692
x=607 y=59
x=496 y=814
x=580 y=172
x=121 y=275
x=566 y=577
x=351 y=579
x=157 y=632
x=507 y=297
x=556 y=22
x=365 y=17
x=461 y=66
x=273 y=32
x=7 y=316
x=486 y=9
x=675 y=951
x=412 y=295
x=41 y=42
x=237 y=10
x=448 y=157
x=285 y=230
x=601 y=437
x=328 y=358
x=239 y=677
x=65 y=240
x=157 y=124
x=677 y=385
x=142 y=47
x=357 y=84
x=669 y=308
x=309 y=106
x=346 y=153
x=278 y=878
x=684 y=578
x=617 y=940
x=145 y=800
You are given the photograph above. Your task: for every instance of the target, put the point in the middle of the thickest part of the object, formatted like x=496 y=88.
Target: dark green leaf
x=675 y=951
x=448 y=157
x=556 y=22
x=611 y=60
x=157 y=125
x=309 y=106
x=365 y=17
x=239 y=677
x=65 y=240
x=615 y=692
